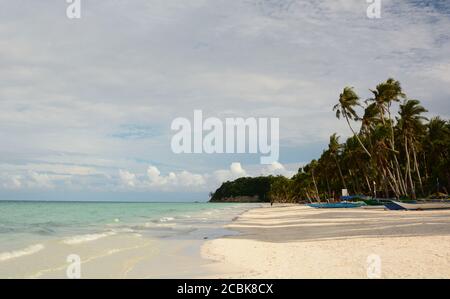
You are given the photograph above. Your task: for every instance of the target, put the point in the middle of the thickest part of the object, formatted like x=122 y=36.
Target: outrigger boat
x=393 y=206
x=422 y=205
x=338 y=205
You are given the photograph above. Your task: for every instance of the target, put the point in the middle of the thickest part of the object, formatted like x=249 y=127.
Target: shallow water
x=41 y=229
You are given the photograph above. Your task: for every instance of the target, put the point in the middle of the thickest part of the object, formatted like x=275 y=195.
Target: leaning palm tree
x=411 y=127
x=385 y=94
x=348 y=99
x=382 y=151
x=370 y=118
x=312 y=166
x=357 y=163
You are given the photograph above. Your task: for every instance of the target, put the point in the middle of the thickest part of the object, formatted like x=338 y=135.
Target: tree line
x=394 y=151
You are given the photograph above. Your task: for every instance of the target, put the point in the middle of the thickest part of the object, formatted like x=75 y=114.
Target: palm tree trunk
x=392 y=142
x=385 y=182
x=425 y=166
x=366 y=178
x=393 y=183
x=357 y=137
x=340 y=173
x=395 y=168
x=408 y=170
x=315 y=185
x=307 y=196
x=394 y=177
x=392 y=127
x=416 y=166
x=354 y=182
x=398 y=178
x=368 y=183
x=328 y=186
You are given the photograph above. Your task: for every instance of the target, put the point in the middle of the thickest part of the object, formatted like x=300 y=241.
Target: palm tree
x=357 y=163
x=348 y=99
x=323 y=170
x=411 y=127
x=381 y=151
x=401 y=150
x=302 y=185
x=370 y=119
x=312 y=168
x=384 y=95
x=334 y=148
x=436 y=145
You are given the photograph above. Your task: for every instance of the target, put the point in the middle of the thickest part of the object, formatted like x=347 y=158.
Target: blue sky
x=86 y=105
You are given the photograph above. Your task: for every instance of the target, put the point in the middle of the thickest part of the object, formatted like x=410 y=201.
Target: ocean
x=27 y=228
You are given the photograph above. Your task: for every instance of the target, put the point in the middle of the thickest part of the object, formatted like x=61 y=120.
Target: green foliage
x=259 y=186
x=404 y=155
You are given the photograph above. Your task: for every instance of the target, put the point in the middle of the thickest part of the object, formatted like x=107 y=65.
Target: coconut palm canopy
x=393 y=154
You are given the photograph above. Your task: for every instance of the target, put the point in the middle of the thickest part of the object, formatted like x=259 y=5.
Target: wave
x=153 y=225
x=166 y=219
x=4 y=256
x=86 y=238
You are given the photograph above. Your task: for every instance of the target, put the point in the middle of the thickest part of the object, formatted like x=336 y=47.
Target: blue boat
x=339 y=205
x=355 y=197
x=393 y=206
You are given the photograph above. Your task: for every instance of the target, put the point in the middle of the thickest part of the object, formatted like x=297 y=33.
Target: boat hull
x=393 y=206
x=423 y=206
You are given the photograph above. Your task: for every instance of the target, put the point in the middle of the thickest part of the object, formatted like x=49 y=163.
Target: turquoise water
x=25 y=223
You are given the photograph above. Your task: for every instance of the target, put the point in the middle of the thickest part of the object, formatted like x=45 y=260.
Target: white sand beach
x=289 y=241
x=302 y=242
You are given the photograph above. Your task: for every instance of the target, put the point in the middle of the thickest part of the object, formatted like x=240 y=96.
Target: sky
x=86 y=105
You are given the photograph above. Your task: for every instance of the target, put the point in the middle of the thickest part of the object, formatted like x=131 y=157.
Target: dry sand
x=302 y=242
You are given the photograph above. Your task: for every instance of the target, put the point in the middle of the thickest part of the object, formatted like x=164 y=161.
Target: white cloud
x=127 y=178
x=11 y=182
x=185 y=180
x=151 y=180
x=31 y=180
x=180 y=179
x=39 y=180
x=277 y=168
x=153 y=174
x=235 y=171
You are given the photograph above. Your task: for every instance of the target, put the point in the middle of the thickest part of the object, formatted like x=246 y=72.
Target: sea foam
x=166 y=219
x=86 y=238
x=4 y=256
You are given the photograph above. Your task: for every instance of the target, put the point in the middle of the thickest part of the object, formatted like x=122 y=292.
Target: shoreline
x=301 y=242
x=256 y=241
x=167 y=246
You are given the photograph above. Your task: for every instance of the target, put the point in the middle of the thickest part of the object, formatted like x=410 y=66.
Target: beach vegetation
x=397 y=152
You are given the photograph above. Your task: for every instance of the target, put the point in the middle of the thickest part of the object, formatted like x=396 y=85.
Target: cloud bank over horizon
x=151 y=180
x=87 y=104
